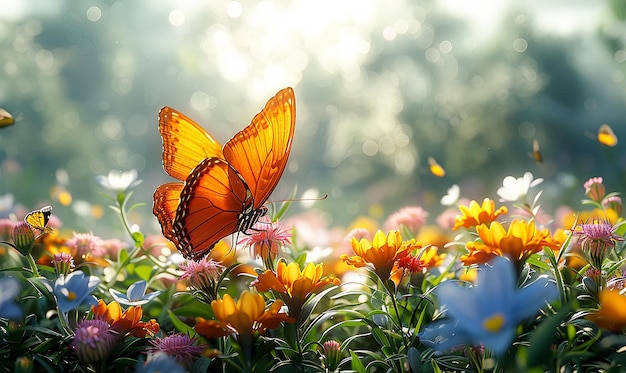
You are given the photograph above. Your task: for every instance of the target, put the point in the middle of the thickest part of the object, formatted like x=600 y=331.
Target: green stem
x=33 y=265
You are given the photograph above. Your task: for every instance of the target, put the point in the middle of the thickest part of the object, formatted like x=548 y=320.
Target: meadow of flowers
x=496 y=285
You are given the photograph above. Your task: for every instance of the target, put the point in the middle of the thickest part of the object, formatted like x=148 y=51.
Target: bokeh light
x=380 y=88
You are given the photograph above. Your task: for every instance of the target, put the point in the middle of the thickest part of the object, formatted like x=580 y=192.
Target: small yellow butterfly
x=38 y=219
x=606 y=136
x=6 y=119
x=435 y=168
x=536 y=153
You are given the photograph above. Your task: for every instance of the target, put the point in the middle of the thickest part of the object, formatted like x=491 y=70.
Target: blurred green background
x=380 y=87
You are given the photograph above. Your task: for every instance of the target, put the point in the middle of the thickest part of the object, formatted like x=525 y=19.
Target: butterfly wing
x=606 y=136
x=213 y=201
x=166 y=198
x=185 y=143
x=260 y=151
x=38 y=219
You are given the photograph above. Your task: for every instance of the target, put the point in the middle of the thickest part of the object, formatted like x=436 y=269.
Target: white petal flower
x=516 y=189
x=118 y=181
x=135 y=295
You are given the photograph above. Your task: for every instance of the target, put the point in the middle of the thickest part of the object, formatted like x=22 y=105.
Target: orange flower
x=382 y=252
x=246 y=317
x=475 y=214
x=521 y=240
x=612 y=312
x=431 y=258
x=294 y=284
x=125 y=322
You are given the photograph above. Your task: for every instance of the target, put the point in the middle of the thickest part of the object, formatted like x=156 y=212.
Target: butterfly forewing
x=185 y=143
x=260 y=151
x=166 y=198
x=211 y=204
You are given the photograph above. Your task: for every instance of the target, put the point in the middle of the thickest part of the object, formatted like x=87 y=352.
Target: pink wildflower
x=412 y=217
x=203 y=276
x=596 y=240
x=63 y=262
x=112 y=247
x=358 y=233
x=85 y=245
x=265 y=241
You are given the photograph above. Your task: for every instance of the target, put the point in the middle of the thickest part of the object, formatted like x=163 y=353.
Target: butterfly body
x=222 y=190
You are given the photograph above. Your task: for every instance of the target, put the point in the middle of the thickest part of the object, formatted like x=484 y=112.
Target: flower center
x=71 y=295
x=494 y=323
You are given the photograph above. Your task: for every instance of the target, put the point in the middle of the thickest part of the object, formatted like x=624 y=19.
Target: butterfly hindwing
x=38 y=219
x=185 y=143
x=213 y=201
x=166 y=198
x=260 y=151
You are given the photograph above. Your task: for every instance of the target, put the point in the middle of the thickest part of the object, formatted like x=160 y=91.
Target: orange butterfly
x=225 y=188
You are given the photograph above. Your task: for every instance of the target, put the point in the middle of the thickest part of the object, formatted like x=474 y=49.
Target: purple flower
x=596 y=240
x=179 y=346
x=93 y=340
x=75 y=290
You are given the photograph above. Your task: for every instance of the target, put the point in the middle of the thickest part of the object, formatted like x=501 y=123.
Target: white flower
x=135 y=295
x=118 y=181
x=452 y=197
x=516 y=189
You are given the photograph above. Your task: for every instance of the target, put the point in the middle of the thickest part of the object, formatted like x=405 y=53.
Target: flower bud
x=594 y=189
x=23 y=364
x=331 y=355
x=23 y=238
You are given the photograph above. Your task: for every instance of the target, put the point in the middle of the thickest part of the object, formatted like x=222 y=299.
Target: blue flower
x=488 y=313
x=135 y=295
x=159 y=362
x=75 y=290
x=9 y=291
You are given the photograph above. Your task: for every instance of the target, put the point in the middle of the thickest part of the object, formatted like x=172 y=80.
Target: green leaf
x=139 y=238
x=179 y=325
x=542 y=338
x=144 y=272
x=356 y=364
x=122 y=256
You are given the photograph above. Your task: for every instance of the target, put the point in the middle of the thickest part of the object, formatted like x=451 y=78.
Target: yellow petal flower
x=381 y=252
x=521 y=240
x=476 y=214
x=612 y=312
